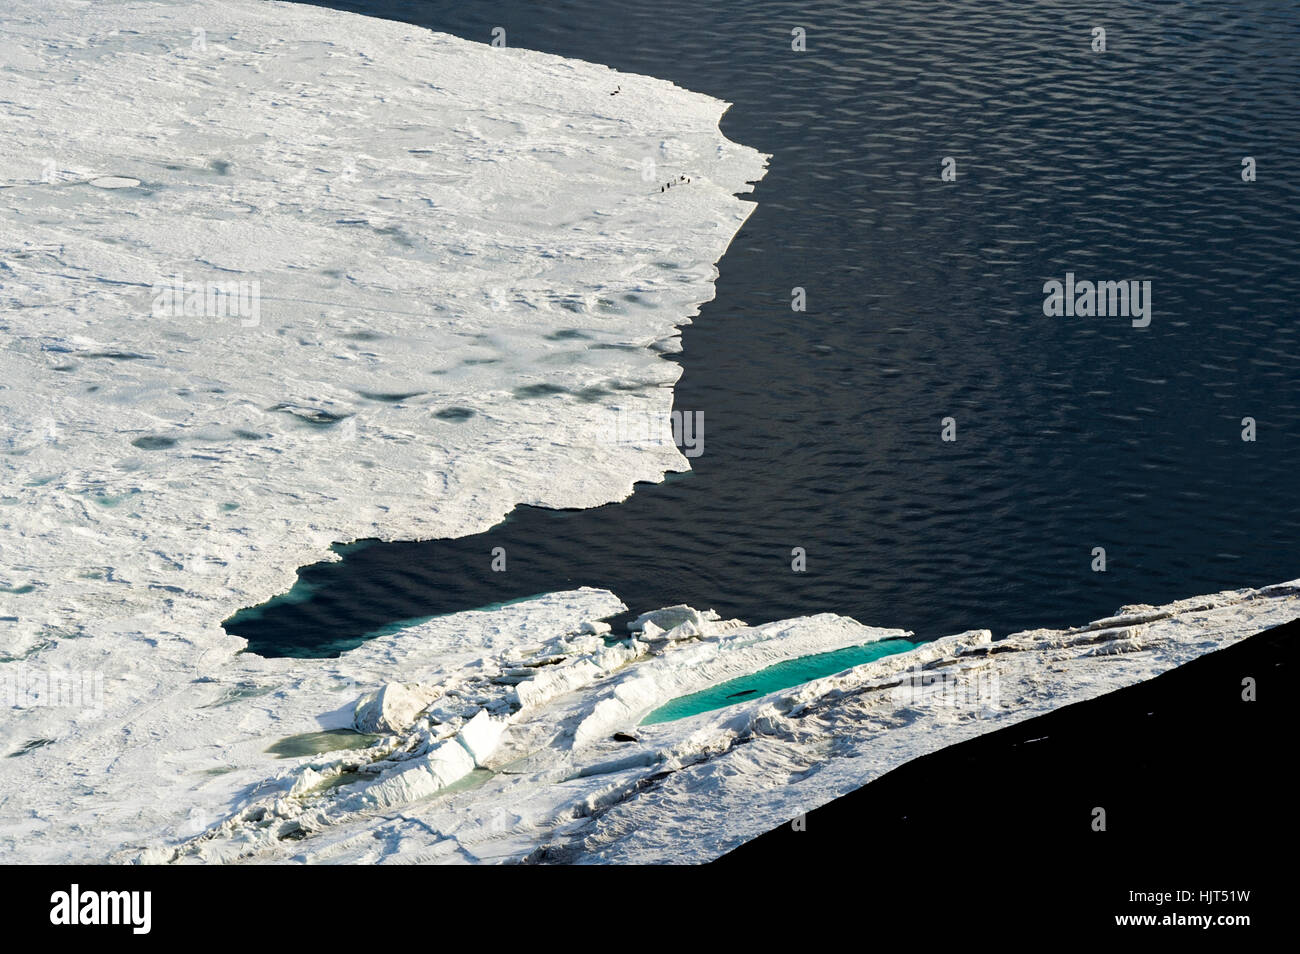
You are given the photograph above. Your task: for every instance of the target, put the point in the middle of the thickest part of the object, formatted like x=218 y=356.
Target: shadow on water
x=925 y=300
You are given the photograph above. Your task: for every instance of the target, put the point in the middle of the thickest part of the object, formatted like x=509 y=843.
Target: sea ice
x=393 y=707
x=300 y=277
x=571 y=776
x=461 y=276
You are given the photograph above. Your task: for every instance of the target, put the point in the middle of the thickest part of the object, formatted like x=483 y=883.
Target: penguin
x=616 y=91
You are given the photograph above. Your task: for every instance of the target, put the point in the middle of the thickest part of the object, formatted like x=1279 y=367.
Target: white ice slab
x=451 y=273
x=574 y=781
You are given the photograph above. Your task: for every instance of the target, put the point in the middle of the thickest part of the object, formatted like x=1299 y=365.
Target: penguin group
x=668 y=185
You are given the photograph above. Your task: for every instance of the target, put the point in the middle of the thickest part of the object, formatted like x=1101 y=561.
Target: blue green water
x=783 y=675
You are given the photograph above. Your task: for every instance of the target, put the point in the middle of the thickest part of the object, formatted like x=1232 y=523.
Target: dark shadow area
x=1197 y=785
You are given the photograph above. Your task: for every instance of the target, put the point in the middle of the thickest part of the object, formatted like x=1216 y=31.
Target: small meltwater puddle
x=318 y=743
x=792 y=672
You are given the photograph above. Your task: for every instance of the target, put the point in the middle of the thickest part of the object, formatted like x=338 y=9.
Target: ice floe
x=274 y=277
x=489 y=773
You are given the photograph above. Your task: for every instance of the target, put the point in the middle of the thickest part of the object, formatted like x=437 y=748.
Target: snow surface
x=572 y=777
x=430 y=229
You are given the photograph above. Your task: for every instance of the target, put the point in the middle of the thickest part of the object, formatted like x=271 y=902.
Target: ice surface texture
x=465 y=276
x=531 y=751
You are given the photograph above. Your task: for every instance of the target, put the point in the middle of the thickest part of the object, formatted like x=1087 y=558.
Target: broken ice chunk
x=393 y=708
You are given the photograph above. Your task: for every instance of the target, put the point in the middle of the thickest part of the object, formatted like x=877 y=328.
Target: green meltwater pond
x=792 y=672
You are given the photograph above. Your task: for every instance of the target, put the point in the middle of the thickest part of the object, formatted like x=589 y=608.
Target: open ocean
x=822 y=428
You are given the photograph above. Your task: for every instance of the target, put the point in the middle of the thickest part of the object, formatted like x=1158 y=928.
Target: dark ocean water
x=925 y=300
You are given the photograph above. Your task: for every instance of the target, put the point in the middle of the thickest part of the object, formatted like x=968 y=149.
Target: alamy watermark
x=1083 y=298
x=23 y=688
x=215 y=300
x=683 y=429
x=978 y=689
x=132 y=909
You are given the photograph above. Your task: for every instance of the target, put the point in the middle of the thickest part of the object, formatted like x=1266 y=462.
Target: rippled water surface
x=822 y=428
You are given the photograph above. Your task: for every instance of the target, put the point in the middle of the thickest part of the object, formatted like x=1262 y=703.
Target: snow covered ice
x=535 y=751
x=465 y=278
